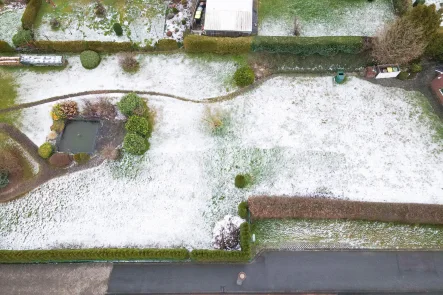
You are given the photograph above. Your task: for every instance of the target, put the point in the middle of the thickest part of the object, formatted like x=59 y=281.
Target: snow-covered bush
x=226 y=233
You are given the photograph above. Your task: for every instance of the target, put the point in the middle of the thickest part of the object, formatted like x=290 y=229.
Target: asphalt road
x=342 y=273
x=289 y=272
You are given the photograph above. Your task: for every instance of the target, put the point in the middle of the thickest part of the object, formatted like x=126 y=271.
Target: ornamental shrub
x=58 y=126
x=138 y=125
x=435 y=48
x=416 y=68
x=244 y=76
x=243 y=209
x=45 y=150
x=90 y=59
x=118 y=29
x=129 y=62
x=82 y=158
x=5 y=47
x=22 y=38
x=135 y=144
x=132 y=104
x=4 y=178
x=30 y=13
x=403 y=75
x=242 y=180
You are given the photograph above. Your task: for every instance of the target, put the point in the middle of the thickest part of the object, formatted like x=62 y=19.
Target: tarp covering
x=228 y=15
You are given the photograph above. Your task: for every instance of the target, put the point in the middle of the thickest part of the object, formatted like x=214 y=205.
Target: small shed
x=228 y=17
x=42 y=60
x=437 y=87
x=387 y=71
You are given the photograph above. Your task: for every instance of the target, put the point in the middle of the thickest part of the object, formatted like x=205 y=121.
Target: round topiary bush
x=138 y=125
x=243 y=210
x=81 y=158
x=241 y=181
x=132 y=104
x=45 y=150
x=118 y=29
x=90 y=59
x=244 y=76
x=22 y=38
x=135 y=144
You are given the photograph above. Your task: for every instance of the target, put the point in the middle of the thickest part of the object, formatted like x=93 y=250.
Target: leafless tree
x=400 y=42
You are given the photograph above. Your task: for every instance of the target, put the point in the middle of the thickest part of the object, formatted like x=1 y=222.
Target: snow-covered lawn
x=10 y=23
x=346 y=233
x=323 y=17
x=190 y=77
x=295 y=135
x=142 y=21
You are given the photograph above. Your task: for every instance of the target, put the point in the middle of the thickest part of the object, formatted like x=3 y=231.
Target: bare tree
x=226 y=233
x=400 y=42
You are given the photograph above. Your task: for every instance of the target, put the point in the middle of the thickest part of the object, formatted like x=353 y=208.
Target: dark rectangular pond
x=79 y=137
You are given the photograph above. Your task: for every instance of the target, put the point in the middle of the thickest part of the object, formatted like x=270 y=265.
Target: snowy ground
x=142 y=21
x=294 y=135
x=324 y=17
x=178 y=74
x=10 y=23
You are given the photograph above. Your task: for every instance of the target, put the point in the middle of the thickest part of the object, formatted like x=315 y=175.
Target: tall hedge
x=228 y=256
x=66 y=255
x=30 y=13
x=219 y=45
x=322 y=208
x=5 y=47
x=166 y=45
x=325 y=46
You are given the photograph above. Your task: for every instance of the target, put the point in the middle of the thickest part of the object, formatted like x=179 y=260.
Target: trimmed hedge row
x=99 y=46
x=5 y=47
x=325 y=46
x=219 y=45
x=321 y=208
x=228 y=256
x=30 y=13
x=65 y=255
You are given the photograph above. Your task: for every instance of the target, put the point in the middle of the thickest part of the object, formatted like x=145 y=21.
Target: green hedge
x=5 y=47
x=30 y=13
x=325 y=46
x=99 y=46
x=66 y=255
x=219 y=45
x=228 y=256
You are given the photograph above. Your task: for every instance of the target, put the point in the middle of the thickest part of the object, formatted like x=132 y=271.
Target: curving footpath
x=229 y=96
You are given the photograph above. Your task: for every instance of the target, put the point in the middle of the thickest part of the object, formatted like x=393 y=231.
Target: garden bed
x=293 y=135
x=323 y=17
x=142 y=21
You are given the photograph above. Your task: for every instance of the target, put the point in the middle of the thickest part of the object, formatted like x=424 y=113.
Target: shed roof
x=229 y=15
x=41 y=59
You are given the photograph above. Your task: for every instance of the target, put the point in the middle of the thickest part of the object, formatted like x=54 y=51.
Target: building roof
x=229 y=15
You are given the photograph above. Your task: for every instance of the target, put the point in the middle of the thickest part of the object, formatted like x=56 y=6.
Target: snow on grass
x=142 y=21
x=294 y=135
x=355 y=234
x=10 y=23
x=191 y=77
x=323 y=17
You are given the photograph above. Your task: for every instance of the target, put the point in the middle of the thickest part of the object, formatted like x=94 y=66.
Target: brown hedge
x=30 y=14
x=322 y=208
x=5 y=47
